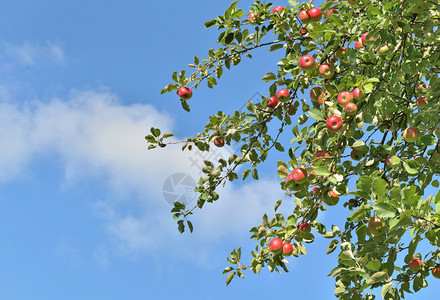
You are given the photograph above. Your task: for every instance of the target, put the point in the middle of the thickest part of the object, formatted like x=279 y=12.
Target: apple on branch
x=326 y=71
x=436 y=271
x=299 y=175
x=421 y=101
x=304 y=16
x=276 y=245
x=283 y=95
x=277 y=8
x=304 y=227
x=330 y=11
x=415 y=264
x=219 y=142
x=184 y=93
x=334 y=123
x=365 y=39
x=307 y=63
x=272 y=102
x=340 y=53
x=315 y=14
x=350 y=109
x=344 y=98
x=410 y=134
x=358 y=94
x=376 y=226
x=392 y=161
x=315 y=93
x=287 y=249
x=356 y=154
x=331 y=199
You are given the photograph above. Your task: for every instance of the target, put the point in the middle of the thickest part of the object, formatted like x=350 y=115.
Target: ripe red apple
x=315 y=14
x=331 y=198
x=351 y=109
x=303 y=31
x=315 y=92
x=304 y=227
x=340 y=53
x=436 y=272
x=415 y=264
x=358 y=94
x=344 y=98
x=276 y=245
x=316 y=190
x=376 y=226
x=287 y=249
x=365 y=39
x=421 y=102
x=392 y=161
x=334 y=123
x=410 y=134
x=252 y=16
x=299 y=175
x=184 y=93
x=272 y=103
x=277 y=8
x=331 y=11
x=326 y=71
x=358 y=44
x=304 y=16
x=283 y=95
x=307 y=63
x=219 y=142
x=356 y=154
x=322 y=98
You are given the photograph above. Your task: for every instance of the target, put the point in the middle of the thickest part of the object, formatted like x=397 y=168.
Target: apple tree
x=366 y=137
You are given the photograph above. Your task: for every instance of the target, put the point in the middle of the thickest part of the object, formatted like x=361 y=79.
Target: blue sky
x=82 y=214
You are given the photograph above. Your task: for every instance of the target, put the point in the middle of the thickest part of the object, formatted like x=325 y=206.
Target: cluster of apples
x=277 y=246
x=416 y=264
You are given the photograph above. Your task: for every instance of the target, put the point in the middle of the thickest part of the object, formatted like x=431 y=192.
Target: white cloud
x=29 y=53
x=94 y=135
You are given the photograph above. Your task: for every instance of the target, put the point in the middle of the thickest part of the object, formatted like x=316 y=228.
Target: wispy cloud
x=30 y=53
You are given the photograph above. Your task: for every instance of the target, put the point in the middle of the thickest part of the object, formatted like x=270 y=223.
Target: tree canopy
x=365 y=137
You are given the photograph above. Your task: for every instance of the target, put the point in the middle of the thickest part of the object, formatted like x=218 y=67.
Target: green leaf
x=379 y=187
x=385 y=210
x=374 y=265
x=181 y=226
x=151 y=139
x=276 y=47
x=332 y=246
x=155 y=131
x=255 y=174
x=190 y=226
x=377 y=277
x=410 y=169
x=210 y=23
x=385 y=289
x=167 y=135
x=185 y=105
x=269 y=77
x=227 y=270
x=169 y=88
x=321 y=171
x=229 y=278
x=316 y=114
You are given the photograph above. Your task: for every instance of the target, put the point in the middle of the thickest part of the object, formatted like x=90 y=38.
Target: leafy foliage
x=396 y=65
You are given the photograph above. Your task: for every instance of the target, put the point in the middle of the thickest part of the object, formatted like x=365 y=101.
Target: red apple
x=326 y=70
x=392 y=161
x=356 y=154
x=303 y=31
x=252 y=16
x=315 y=14
x=350 y=109
x=376 y=226
x=340 y=53
x=415 y=264
x=184 y=93
x=299 y=175
x=272 y=103
x=287 y=249
x=315 y=92
x=304 y=227
x=322 y=98
x=365 y=40
x=334 y=123
x=277 y=8
x=358 y=94
x=276 y=245
x=316 y=190
x=421 y=102
x=358 y=44
x=283 y=95
x=436 y=272
x=307 y=63
x=331 y=198
x=344 y=98
x=331 y=11
x=410 y=134
x=219 y=142
x=304 y=16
